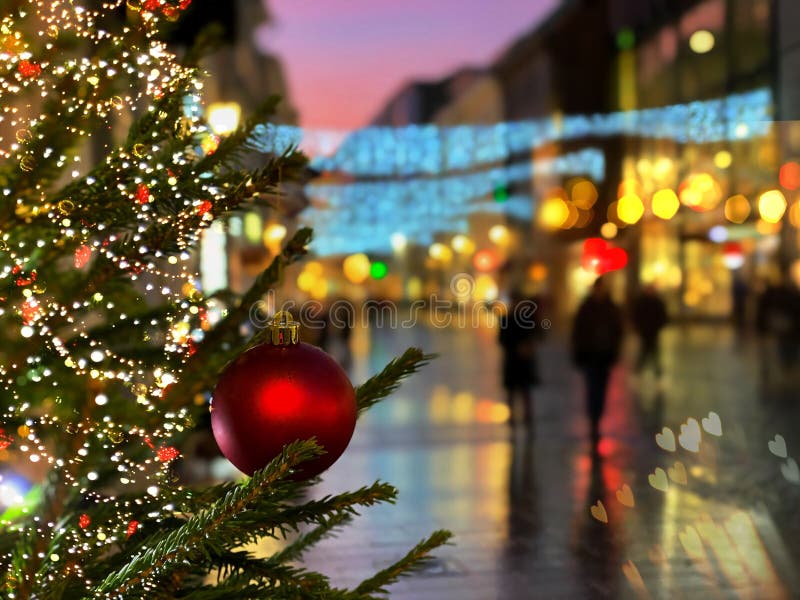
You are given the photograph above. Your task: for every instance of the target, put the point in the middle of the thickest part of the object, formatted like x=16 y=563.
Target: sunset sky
x=344 y=58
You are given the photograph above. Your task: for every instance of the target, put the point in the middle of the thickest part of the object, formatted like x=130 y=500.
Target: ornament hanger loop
x=284 y=331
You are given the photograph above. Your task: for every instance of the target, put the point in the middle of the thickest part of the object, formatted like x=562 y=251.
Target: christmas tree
x=109 y=349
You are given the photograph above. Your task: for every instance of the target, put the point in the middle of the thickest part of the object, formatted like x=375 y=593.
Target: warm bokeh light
x=789 y=175
x=665 y=204
x=629 y=186
x=609 y=230
x=414 y=288
x=538 y=272
x=766 y=228
x=723 y=159
x=315 y=267
x=700 y=192
x=253 y=227
x=462 y=244
x=223 y=117
x=356 y=268
x=273 y=235
x=500 y=235
x=553 y=213
x=794 y=214
x=319 y=291
x=485 y=288
x=630 y=209
x=702 y=41
x=772 y=206
x=306 y=281
x=737 y=209
x=662 y=169
x=584 y=194
x=440 y=252
x=794 y=272
x=486 y=260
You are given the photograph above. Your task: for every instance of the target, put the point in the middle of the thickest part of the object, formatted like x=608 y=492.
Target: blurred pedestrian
x=740 y=292
x=517 y=340
x=778 y=318
x=649 y=316
x=596 y=341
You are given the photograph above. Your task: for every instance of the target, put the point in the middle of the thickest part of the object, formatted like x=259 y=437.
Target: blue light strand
x=431 y=150
x=362 y=216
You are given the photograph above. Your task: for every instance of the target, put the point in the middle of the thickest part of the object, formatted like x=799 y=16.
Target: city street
x=520 y=502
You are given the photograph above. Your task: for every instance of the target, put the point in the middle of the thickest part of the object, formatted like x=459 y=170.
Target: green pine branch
x=387 y=381
x=414 y=560
x=206 y=529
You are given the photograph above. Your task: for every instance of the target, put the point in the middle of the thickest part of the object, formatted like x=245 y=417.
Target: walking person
x=649 y=316
x=596 y=341
x=517 y=341
x=778 y=319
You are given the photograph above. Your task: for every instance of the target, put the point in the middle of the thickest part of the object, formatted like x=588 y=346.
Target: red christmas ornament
x=278 y=393
x=84 y=521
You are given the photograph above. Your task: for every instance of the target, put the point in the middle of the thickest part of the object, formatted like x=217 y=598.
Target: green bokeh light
x=378 y=270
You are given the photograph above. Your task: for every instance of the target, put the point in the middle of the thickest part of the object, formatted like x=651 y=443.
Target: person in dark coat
x=596 y=342
x=517 y=339
x=778 y=316
x=649 y=316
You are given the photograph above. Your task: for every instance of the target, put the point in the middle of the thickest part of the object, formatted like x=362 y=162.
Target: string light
x=363 y=216
x=432 y=150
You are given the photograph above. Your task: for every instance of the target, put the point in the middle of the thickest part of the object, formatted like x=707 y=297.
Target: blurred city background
x=481 y=154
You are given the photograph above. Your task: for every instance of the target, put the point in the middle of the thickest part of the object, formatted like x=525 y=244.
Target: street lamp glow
x=399 y=242
x=223 y=117
x=702 y=41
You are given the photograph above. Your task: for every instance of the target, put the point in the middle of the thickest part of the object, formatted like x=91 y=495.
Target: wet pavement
x=722 y=525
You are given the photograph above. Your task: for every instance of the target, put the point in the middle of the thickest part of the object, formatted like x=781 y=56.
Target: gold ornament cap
x=284 y=331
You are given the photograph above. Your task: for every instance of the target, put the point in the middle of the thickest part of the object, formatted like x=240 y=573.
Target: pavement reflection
x=519 y=500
